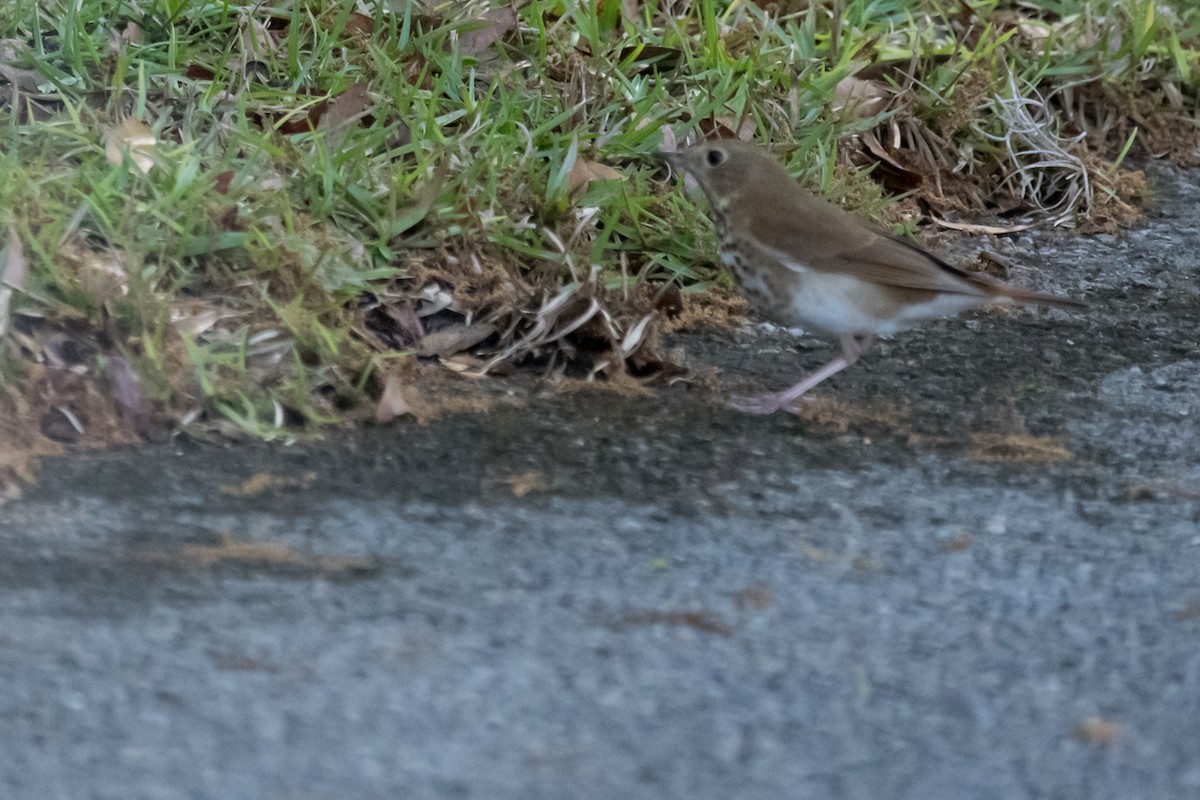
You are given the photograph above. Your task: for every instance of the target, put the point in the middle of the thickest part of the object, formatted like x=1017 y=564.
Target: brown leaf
x=956 y=544
x=132 y=33
x=222 y=181
x=12 y=50
x=669 y=300
x=196 y=72
x=453 y=339
x=488 y=30
x=15 y=273
x=726 y=128
x=392 y=402
x=257 y=42
x=1097 y=730
x=135 y=138
x=971 y=227
x=526 y=482
x=879 y=151
x=701 y=621
x=858 y=98
x=755 y=598
x=132 y=405
x=670 y=143
x=635 y=335
x=1017 y=448
x=650 y=57
x=359 y=25
x=126 y=387
x=26 y=80
x=584 y=172
x=260 y=483
x=194 y=318
x=100 y=272
x=348 y=108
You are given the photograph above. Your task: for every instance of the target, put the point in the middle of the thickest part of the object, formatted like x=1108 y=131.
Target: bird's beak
x=671 y=159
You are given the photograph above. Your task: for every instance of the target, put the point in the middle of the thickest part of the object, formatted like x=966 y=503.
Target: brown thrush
x=802 y=261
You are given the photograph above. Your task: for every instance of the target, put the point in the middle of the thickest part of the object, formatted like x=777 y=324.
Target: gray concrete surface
x=589 y=596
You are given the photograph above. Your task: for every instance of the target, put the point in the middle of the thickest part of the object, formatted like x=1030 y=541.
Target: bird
x=804 y=262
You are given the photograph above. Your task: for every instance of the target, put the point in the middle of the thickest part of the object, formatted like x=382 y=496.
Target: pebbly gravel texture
x=973 y=572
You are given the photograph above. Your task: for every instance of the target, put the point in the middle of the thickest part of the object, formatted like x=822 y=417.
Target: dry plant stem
x=1045 y=166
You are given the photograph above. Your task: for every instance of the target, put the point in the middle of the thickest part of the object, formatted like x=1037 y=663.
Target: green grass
x=243 y=276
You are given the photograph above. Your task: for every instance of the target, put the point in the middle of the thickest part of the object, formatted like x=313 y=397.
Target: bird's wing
x=895 y=262
x=829 y=239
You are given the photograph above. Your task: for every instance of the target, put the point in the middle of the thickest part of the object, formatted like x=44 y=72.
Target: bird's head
x=726 y=170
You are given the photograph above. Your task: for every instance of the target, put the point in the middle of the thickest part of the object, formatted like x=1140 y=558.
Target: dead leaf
x=132 y=33
x=14 y=277
x=526 y=482
x=135 y=138
x=359 y=25
x=487 y=30
x=102 y=272
x=257 y=42
x=24 y=80
x=670 y=143
x=231 y=551
x=756 y=598
x=196 y=72
x=635 y=336
x=346 y=109
x=879 y=151
x=652 y=57
x=222 y=181
x=133 y=407
x=584 y=172
x=1017 y=448
x=700 y=621
x=126 y=387
x=728 y=128
x=12 y=50
x=261 y=482
x=975 y=228
x=1096 y=730
x=463 y=365
x=300 y=120
x=16 y=273
x=669 y=300
x=195 y=318
x=453 y=339
x=956 y=544
x=392 y=402
x=1189 y=611
x=859 y=98
x=228 y=551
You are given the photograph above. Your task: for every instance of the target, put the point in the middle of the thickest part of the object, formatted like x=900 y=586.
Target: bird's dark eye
x=715 y=157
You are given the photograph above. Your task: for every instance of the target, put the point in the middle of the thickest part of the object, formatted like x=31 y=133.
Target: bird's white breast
x=840 y=304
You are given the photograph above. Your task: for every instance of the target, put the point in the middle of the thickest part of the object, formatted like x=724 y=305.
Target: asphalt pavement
x=973 y=571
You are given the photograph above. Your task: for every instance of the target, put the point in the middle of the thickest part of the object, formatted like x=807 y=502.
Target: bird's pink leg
x=789 y=400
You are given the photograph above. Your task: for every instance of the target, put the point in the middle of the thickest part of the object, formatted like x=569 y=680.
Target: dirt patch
x=21 y=442
x=720 y=307
x=51 y=410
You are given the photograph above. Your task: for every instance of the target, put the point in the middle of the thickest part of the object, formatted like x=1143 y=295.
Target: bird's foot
x=768 y=403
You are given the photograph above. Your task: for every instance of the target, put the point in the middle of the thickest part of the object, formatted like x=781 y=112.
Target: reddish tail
x=995 y=287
